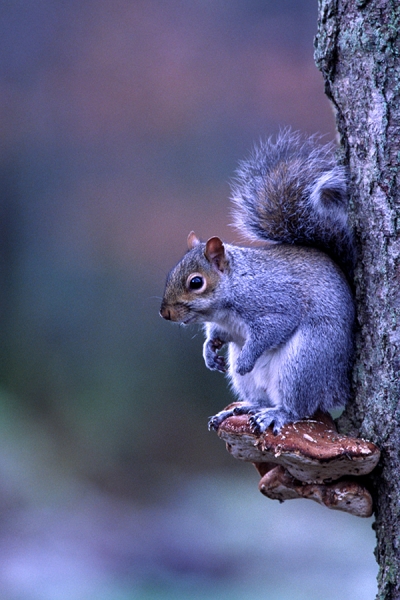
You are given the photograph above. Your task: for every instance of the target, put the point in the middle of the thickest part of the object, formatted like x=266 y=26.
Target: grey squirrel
x=284 y=309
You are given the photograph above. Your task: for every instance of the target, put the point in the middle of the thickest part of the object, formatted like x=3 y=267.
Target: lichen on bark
x=357 y=49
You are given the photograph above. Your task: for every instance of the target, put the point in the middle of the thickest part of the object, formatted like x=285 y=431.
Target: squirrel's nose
x=165 y=313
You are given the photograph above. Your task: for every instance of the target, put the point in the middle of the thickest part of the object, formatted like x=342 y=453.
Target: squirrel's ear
x=215 y=253
x=192 y=240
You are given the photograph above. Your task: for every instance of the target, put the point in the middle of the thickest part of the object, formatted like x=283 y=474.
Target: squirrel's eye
x=196 y=282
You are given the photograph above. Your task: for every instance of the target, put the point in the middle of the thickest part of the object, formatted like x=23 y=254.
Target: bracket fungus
x=307 y=459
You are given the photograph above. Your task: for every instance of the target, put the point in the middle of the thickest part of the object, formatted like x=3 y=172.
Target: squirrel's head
x=191 y=290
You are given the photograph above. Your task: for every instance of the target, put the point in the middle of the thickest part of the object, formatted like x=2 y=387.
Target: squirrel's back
x=293 y=191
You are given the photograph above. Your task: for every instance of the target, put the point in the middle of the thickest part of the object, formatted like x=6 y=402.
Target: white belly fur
x=263 y=382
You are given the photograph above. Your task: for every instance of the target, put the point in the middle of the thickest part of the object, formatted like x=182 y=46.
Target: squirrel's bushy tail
x=293 y=191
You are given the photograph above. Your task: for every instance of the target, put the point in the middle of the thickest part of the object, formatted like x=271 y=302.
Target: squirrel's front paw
x=213 y=360
x=244 y=365
x=247 y=358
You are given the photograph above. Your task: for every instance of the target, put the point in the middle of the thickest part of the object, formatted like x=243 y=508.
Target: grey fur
x=289 y=333
x=285 y=311
x=294 y=192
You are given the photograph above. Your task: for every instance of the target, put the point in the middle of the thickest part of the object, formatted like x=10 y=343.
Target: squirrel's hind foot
x=261 y=419
x=236 y=409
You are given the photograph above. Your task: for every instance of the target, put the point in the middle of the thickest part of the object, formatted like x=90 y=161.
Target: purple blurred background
x=121 y=125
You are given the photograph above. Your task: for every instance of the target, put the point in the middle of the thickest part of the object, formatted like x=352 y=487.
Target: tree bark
x=358 y=52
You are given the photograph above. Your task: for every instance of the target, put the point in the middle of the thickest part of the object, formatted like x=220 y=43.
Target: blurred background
x=122 y=123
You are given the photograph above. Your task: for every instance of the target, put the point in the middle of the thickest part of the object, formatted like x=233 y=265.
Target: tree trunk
x=358 y=52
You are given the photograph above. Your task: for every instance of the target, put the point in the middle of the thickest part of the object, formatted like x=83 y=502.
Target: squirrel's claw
x=232 y=411
x=261 y=419
x=213 y=360
x=214 y=423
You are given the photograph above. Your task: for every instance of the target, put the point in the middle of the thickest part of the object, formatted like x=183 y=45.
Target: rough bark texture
x=358 y=52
